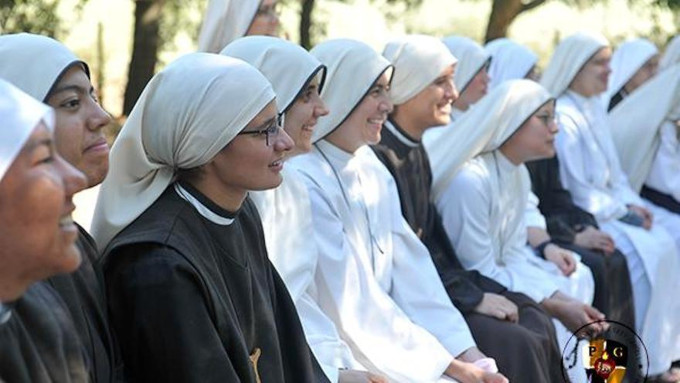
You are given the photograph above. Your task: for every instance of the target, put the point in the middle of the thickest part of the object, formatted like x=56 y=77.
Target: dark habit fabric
x=529 y=352
x=616 y=99
x=666 y=201
x=613 y=290
x=83 y=293
x=39 y=343
x=193 y=301
x=524 y=352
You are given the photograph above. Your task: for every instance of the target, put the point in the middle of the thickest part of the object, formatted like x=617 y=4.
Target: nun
x=297 y=78
x=471 y=76
x=192 y=293
x=556 y=224
x=509 y=61
x=590 y=169
x=633 y=63
x=227 y=20
x=367 y=278
x=645 y=130
x=423 y=90
x=48 y=71
x=671 y=55
x=38 y=342
x=483 y=205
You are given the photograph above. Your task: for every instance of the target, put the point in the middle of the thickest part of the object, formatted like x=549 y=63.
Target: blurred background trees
x=155 y=31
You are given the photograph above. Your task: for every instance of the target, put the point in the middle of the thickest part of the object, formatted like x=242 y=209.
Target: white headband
x=20 y=114
x=225 y=21
x=353 y=67
x=569 y=57
x=176 y=124
x=418 y=60
x=471 y=58
x=483 y=129
x=509 y=61
x=627 y=59
x=34 y=63
x=287 y=66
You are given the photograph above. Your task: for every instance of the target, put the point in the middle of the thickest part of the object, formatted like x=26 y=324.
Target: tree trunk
x=144 y=50
x=306 y=23
x=503 y=13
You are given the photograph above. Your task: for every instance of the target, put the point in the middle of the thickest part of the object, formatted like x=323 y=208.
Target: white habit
x=375 y=278
x=287 y=223
x=591 y=171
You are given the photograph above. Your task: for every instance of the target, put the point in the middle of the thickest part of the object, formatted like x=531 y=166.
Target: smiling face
x=79 y=134
x=593 y=78
x=535 y=139
x=38 y=235
x=248 y=162
x=364 y=124
x=266 y=20
x=431 y=107
x=301 y=118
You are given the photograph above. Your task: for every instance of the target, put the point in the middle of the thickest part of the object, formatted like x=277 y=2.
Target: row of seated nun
x=588 y=192
x=203 y=273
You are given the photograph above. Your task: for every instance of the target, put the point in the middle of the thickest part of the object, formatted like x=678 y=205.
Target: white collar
x=335 y=154
x=200 y=208
x=401 y=136
x=5 y=314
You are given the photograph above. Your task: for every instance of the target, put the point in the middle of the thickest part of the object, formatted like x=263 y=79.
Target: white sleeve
x=324 y=341
x=665 y=172
x=295 y=258
x=573 y=175
x=377 y=330
x=465 y=208
x=421 y=294
x=536 y=282
x=532 y=215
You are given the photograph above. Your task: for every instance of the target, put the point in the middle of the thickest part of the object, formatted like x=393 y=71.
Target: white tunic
x=375 y=279
x=591 y=171
x=664 y=175
x=485 y=210
x=483 y=213
x=286 y=220
x=580 y=283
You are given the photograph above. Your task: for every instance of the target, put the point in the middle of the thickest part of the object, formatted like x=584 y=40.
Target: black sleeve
x=555 y=202
x=162 y=318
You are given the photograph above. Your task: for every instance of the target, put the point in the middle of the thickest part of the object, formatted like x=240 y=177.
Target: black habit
x=196 y=301
x=613 y=290
x=524 y=352
x=83 y=293
x=38 y=344
x=658 y=198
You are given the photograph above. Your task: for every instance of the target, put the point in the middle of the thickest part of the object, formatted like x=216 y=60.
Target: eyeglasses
x=268 y=129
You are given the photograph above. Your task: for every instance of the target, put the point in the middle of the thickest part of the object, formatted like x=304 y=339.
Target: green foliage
x=672 y=4
x=181 y=16
x=34 y=16
x=29 y=16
